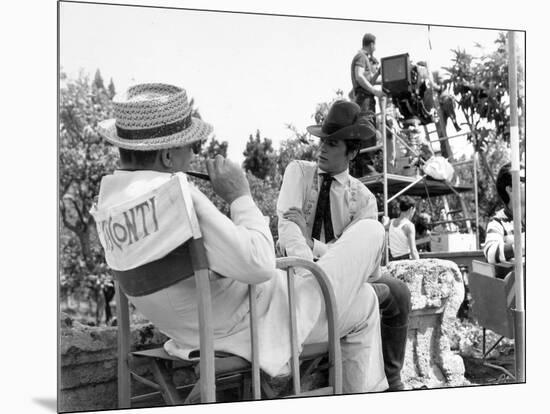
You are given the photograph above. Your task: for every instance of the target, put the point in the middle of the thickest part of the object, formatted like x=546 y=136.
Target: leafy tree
x=300 y=147
x=265 y=193
x=215 y=147
x=98 y=80
x=83 y=159
x=111 y=89
x=481 y=88
x=259 y=156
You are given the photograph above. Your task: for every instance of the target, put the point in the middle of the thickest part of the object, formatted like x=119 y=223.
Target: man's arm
x=240 y=248
x=410 y=232
x=496 y=249
x=291 y=195
x=365 y=83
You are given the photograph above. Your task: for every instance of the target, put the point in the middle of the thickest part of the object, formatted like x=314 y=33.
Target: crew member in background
x=321 y=208
x=365 y=70
x=402 y=232
x=499 y=241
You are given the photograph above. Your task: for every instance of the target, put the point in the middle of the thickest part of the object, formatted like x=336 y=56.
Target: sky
x=245 y=72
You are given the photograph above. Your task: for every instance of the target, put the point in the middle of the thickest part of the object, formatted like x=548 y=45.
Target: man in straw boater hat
x=327 y=215
x=156 y=135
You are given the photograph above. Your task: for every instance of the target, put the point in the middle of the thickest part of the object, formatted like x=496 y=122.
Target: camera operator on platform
x=365 y=70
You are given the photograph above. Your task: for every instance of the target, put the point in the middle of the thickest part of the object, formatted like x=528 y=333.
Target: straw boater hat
x=153 y=116
x=344 y=121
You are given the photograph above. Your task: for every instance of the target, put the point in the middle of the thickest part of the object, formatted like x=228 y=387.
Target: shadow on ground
x=478 y=373
x=49 y=403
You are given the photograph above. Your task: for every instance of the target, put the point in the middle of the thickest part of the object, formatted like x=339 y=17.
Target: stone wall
x=88 y=363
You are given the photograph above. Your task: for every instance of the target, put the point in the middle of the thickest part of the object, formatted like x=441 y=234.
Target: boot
x=394 y=341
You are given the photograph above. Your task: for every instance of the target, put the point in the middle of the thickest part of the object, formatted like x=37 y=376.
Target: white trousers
x=348 y=264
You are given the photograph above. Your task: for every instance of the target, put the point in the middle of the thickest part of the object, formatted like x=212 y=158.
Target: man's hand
x=296 y=215
x=378 y=92
x=227 y=178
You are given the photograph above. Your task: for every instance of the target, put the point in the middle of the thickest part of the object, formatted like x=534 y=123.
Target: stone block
x=88 y=359
x=437 y=290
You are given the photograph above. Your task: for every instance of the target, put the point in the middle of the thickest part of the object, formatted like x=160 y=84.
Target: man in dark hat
x=157 y=135
x=319 y=207
x=365 y=70
x=499 y=242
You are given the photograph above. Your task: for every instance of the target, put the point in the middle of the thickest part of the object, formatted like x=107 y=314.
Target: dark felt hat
x=344 y=121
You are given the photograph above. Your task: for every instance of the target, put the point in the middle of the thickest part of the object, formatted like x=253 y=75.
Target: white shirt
x=296 y=191
x=399 y=241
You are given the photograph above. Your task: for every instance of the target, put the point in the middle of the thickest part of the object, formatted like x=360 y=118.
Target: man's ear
x=509 y=191
x=165 y=158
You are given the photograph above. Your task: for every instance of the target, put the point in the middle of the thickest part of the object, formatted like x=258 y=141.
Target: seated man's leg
x=348 y=264
x=394 y=311
x=362 y=360
x=353 y=258
x=362 y=357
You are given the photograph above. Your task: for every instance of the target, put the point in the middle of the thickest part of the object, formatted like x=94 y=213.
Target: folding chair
x=216 y=367
x=492 y=291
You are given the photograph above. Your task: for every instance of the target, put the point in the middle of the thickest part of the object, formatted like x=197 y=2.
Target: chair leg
x=194 y=396
x=124 y=384
x=168 y=389
x=246 y=389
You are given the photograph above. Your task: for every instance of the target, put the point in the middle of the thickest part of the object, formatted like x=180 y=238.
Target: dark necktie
x=322 y=213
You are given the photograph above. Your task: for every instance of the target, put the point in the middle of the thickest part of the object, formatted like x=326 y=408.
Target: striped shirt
x=499 y=242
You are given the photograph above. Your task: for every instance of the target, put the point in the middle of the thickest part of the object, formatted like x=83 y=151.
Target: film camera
x=407 y=84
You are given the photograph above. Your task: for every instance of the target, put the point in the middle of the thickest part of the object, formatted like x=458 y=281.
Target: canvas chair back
x=157 y=233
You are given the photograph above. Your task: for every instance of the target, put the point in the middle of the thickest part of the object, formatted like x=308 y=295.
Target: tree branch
x=66 y=223
x=66 y=187
x=75 y=205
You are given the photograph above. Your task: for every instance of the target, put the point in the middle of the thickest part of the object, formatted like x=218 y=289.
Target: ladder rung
x=371 y=177
x=435 y=223
x=456 y=164
x=370 y=149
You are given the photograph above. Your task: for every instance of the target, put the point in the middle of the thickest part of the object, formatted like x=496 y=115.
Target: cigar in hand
x=196 y=174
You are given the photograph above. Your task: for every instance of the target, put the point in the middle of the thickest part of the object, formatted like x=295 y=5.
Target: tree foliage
x=259 y=156
x=111 y=89
x=299 y=147
x=83 y=159
x=215 y=147
x=481 y=88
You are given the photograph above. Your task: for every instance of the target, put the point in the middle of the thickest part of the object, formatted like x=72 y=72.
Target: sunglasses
x=196 y=147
